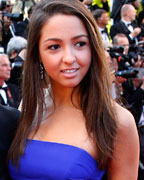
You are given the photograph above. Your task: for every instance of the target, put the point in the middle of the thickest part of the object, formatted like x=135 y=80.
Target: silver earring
x=41 y=71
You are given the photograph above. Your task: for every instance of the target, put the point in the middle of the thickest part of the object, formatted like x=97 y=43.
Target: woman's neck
x=65 y=96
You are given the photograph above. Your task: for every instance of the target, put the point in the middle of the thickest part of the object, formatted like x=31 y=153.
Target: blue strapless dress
x=55 y=161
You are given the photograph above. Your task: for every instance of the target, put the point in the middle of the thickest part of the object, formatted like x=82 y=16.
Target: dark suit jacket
x=140 y=17
x=8 y=124
x=134 y=98
x=120 y=27
x=6 y=36
x=116 y=8
x=12 y=94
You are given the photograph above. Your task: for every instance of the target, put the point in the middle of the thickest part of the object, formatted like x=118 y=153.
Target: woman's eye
x=54 y=47
x=81 y=44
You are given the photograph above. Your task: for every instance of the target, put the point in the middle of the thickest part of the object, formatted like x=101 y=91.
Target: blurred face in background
x=7 y=22
x=5 y=68
x=111 y=65
x=123 y=41
x=8 y=8
x=111 y=61
x=132 y=13
x=108 y=58
x=104 y=19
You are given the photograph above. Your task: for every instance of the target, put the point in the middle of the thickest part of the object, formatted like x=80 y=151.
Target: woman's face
x=65 y=50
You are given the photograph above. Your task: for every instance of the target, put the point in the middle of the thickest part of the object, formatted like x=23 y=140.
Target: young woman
x=76 y=131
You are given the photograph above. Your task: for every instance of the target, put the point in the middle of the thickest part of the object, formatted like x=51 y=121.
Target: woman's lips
x=70 y=73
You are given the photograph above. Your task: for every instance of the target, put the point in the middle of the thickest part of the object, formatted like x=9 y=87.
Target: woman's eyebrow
x=81 y=35
x=52 y=39
x=58 y=39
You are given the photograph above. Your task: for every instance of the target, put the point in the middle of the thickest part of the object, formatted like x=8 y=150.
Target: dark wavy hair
x=95 y=99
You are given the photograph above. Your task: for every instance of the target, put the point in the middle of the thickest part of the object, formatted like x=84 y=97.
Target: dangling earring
x=41 y=71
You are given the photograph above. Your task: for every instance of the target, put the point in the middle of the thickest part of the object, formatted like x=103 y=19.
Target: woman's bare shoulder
x=124 y=117
x=124 y=164
x=127 y=130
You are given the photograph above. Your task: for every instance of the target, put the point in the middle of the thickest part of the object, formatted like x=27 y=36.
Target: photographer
x=134 y=94
x=7 y=30
x=133 y=88
x=121 y=40
x=126 y=66
x=6 y=6
x=22 y=26
x=8 y=23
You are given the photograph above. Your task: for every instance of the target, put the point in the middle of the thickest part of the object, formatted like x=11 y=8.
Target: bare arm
x=125 y=163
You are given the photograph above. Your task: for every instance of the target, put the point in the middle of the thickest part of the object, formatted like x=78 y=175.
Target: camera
x=126 y=62
x=13 y=16
x=116 y=51
x=131 y=73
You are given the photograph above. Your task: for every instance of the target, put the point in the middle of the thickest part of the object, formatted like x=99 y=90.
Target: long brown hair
x=95 y=98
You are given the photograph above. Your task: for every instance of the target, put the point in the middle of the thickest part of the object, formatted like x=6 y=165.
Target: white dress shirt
x=104 y=35
x=3 y=93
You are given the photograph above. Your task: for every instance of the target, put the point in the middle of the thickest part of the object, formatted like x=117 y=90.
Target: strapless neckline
x=63 y=144
x=48 y=160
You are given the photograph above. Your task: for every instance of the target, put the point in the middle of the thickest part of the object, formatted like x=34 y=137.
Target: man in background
x=117 y=5
x=121 y=40
x=22 y=26
x=101 y=17
x=8 y=94
x=126 y=25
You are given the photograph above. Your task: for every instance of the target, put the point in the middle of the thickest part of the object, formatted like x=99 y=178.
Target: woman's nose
x=69 y=56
